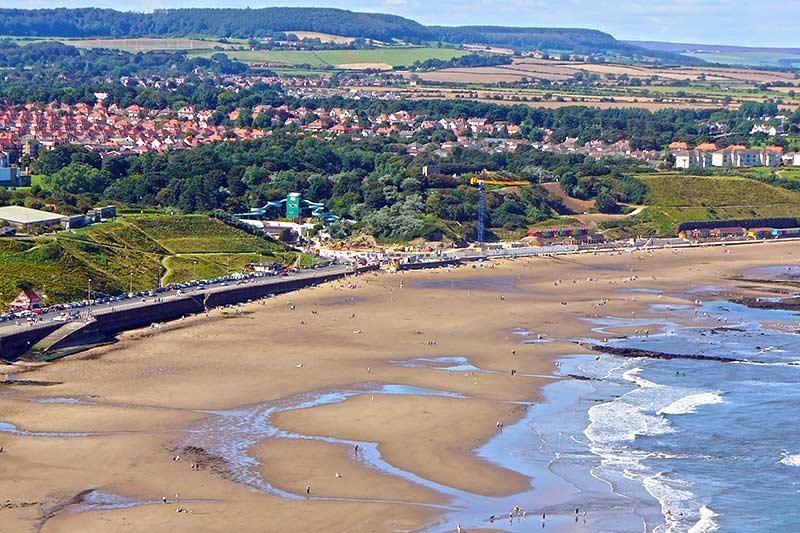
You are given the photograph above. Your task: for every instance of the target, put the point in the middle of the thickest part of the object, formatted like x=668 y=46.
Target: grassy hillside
x=131 y=251
x=679 y=190
x=674 y=198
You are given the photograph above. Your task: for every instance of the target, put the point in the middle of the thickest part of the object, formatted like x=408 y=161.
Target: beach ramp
x=59 y=337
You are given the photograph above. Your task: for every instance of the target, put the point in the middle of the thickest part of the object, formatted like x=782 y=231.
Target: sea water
x=706 y=444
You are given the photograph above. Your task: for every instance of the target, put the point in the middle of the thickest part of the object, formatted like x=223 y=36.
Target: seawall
x=110 y=322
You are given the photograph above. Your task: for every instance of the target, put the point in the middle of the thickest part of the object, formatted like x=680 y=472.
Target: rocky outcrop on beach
x=783 y=304
x=636 y=353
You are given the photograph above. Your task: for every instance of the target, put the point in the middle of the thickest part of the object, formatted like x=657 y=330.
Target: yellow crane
x=489 y=178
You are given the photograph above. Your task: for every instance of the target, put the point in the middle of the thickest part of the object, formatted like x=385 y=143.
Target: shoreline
x=333 y=356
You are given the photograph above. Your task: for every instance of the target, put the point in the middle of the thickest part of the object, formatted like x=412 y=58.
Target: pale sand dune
x=150 y=388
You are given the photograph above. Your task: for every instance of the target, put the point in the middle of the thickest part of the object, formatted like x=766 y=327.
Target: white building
x=736 y=157
x=692 y=159
x=24 y=218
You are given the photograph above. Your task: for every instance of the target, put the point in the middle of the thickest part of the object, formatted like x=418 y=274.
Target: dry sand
x=142 y=394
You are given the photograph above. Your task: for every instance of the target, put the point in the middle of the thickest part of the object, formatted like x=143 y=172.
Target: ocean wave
x=689 y=404
x=790 y=460
x=675 y=500
x=633 y=375
x=618 y=421
x=706 y=523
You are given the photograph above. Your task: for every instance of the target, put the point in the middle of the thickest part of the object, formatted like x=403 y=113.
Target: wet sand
x=271 y=397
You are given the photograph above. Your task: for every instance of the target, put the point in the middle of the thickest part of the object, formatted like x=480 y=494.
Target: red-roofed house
x=27 y=300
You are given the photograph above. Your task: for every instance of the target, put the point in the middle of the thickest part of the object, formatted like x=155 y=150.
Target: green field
x=137 y=251
x=399 y=56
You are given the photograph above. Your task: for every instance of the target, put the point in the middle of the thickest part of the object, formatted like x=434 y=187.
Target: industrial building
x=25 y=219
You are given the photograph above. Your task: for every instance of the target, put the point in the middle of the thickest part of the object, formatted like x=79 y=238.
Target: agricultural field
x=323 y=37
x=147 y=45
x=132 y=252
x=537 y=98
x=554 y=70
x=367 y=58
x=703 y=87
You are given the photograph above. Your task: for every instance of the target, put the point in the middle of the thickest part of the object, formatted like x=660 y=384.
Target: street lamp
x=130 y=285
x=89 y=294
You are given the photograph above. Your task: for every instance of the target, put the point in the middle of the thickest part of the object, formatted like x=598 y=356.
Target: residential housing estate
x=708 y=155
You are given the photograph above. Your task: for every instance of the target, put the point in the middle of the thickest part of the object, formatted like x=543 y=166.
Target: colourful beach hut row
x=554 y=233
x=760 y=233
x=714 y=233
x=786 y=232
x=753 y=233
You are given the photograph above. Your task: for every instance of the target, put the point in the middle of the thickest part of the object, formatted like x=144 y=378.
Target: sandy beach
x=265 y=402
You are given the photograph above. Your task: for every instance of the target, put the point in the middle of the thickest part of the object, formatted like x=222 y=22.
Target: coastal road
x=46 y=319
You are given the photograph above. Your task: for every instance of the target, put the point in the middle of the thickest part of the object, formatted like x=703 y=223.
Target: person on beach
x=308 y=490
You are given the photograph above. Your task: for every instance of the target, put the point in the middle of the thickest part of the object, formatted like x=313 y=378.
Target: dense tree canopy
x=249 y=23
x=384 y=192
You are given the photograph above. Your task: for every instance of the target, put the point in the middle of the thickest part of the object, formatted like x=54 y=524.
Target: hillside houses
x=116 y=130
x=736 y=156
x=105 y=129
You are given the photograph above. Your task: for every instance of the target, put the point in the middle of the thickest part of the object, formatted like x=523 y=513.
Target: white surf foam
x=706 y=524
x=676 y=502
x=633 y=375
x=615 y=422
x=790 y=460
x=689 y=404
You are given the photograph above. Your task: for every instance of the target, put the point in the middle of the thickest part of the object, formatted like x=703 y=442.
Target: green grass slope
x=131 y=251
x=673 y=198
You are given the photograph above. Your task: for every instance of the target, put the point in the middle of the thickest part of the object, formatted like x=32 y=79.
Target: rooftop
x=25 y=215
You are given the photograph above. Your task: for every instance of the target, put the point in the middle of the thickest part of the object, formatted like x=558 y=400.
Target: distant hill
x=569 y=39
x=242 y=23
x=694 y=47
x=753 y=56
x=247 y=23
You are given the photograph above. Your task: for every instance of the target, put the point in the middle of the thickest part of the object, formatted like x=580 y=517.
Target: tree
x=77 y=178
x=606 y=203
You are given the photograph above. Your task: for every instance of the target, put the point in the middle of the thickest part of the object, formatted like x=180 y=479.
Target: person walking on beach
x=308 y=490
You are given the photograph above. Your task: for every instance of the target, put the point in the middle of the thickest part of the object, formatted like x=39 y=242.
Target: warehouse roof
x=24 y=215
